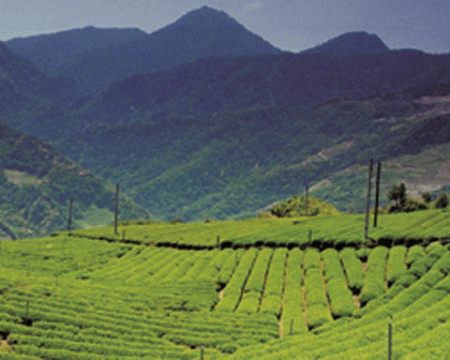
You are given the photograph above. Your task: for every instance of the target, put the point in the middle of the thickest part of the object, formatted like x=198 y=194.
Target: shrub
x=412 y=204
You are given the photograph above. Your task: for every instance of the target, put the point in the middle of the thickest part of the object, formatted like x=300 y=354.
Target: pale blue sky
x=288 y=24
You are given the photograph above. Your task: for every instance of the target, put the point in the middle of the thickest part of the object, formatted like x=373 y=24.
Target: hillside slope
x=36 y=183
x=232 y=164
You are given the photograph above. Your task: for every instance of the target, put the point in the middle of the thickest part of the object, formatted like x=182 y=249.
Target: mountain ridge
x=204 y=32
x=49 y=52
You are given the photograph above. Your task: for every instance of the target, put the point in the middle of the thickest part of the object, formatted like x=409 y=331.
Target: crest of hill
x=201 y=33
x=352 y=43
x=49 y=52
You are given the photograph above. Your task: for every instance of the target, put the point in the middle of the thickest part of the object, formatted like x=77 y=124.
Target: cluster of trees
x=403 y=203
x=300 y=206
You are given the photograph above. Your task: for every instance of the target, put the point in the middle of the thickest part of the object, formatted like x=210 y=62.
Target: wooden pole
x=390 y=339
x=369 y=183
x=69 y=224
x=306 y=199
x=377 y=195
x=116 y=209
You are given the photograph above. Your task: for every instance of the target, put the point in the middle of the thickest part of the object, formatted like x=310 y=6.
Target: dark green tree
x=426 y=196
x=397 y=193
x=441 y=201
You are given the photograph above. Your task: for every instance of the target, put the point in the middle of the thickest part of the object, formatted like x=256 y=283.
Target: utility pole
x=377 y=195
x=369 y=184
x=306 y=198
x=116 y=210
x=69 y=224
x=390 y=339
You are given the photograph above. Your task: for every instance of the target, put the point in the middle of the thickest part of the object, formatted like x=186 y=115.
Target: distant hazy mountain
x=352 y=43
x=22 y=83
x=198 y=34
x=51 y=52
x=32 y=101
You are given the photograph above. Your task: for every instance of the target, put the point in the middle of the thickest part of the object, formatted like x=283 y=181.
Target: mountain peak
x=204 y=13
x=351 y=43
x=207 y=18
x=4 y=49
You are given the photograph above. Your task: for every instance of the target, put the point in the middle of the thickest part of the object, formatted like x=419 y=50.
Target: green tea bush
x=396 y=263
x=257 y=277
x=435 y=250
x=341 y=298
x=374 y=282
x=271 y=305
x=275 y=278
x=249 y=303
x=293 y=296
x=232 y=291
x=415 y=253
x=311 y=258
x=318 y=315
x=353 y=269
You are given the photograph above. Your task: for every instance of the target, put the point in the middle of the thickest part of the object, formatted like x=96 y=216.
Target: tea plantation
x=252 y=289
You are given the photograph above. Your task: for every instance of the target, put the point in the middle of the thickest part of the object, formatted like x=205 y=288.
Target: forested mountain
x=222 y=135
x=36 y=183
x=234 y=163
x=198 y=34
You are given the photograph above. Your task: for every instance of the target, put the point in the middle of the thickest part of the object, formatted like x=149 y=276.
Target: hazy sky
x=288 y=24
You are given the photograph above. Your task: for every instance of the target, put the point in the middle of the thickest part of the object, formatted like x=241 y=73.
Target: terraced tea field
x=130 y=297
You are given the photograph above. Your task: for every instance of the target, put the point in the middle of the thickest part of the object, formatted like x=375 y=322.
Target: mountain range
x=95 y=58
x=203 y=119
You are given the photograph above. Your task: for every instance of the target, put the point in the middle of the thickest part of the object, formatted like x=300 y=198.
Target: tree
x=441 y=201
x=397 y=193
x=426 y=196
